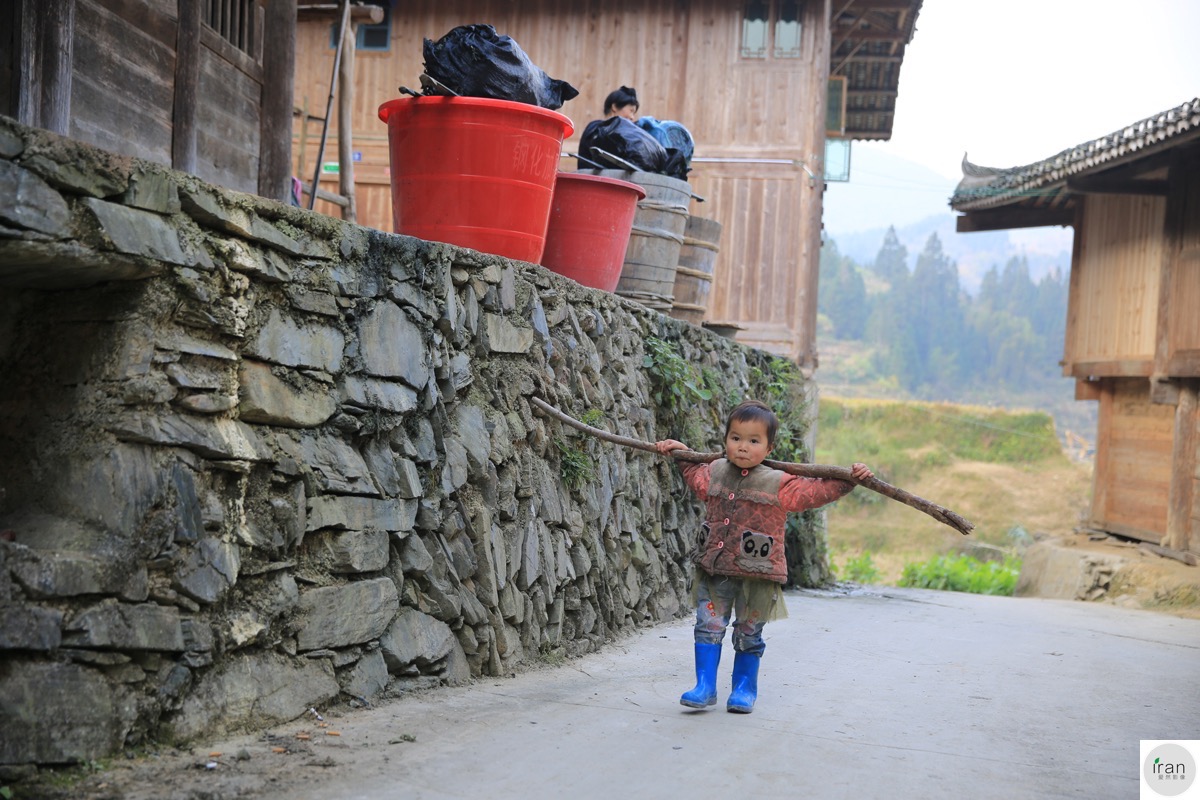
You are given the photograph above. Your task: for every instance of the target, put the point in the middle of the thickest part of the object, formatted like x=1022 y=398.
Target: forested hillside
x=888 y=331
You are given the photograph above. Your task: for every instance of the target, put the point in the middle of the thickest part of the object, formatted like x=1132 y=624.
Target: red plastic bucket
x=590 y=221
x=473 y=171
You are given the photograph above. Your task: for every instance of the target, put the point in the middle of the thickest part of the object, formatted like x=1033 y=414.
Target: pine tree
x=891 y=263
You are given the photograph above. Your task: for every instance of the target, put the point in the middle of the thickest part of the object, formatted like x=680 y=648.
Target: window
x=376 y=37
x=234 y=20
x=835 y=106
x=754 y=30
x=771 y=29
x=837 y=160
x=787 y=31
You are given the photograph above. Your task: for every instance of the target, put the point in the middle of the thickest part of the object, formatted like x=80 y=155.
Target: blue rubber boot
x=705 y=693
x=745 y=683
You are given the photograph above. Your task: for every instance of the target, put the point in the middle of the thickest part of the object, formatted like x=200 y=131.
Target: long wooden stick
x=942 y=515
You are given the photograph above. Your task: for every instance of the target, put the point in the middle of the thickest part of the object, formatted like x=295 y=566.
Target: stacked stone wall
x=255 y=460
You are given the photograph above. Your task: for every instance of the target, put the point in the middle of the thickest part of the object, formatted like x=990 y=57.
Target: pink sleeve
x=696 y=476
x=800 y=494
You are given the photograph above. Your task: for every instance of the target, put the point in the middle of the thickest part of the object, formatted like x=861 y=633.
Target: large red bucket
x=590 y=221
x=473 y=171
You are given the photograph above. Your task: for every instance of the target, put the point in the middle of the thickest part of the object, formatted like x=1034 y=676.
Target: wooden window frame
x=772 y=31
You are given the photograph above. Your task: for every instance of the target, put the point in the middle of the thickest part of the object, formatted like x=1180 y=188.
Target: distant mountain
x=886 y=190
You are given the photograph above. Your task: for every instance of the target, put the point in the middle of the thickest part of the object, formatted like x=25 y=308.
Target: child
x=740 y=567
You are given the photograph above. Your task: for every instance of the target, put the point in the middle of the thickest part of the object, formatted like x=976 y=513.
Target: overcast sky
x=1017 y=81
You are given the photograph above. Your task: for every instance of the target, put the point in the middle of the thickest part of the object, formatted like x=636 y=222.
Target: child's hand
x=861 y=472
x=667 y=445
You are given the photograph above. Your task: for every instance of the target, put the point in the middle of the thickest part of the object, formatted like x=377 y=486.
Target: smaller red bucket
x=590 y=221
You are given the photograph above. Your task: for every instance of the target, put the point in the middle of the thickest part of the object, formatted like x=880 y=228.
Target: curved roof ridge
x=984 y=187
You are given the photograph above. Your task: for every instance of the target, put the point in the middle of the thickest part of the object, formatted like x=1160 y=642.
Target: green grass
x=963 y=574
x=900 y=440
x=1004 y=471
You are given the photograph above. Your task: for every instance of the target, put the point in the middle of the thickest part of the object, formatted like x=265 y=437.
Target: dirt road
x=874 y=693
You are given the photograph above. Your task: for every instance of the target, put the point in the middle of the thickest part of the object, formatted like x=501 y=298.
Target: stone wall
x=254 y=459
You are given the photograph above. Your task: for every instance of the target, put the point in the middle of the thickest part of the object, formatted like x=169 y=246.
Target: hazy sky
x=1016 y=81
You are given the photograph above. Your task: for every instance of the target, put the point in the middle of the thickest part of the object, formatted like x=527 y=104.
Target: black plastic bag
x=475 y=61
x=623 y=139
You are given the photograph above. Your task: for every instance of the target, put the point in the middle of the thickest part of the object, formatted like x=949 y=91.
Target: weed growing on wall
x=674 y=381
x=577 y=467
x=780 y=384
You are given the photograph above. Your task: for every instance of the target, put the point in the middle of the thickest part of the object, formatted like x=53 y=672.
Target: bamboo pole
x=942 y=515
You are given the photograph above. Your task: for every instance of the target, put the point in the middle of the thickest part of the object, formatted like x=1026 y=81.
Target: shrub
x=963 y=574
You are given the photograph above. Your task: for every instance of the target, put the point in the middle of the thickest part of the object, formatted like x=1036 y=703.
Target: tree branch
x=942 y=515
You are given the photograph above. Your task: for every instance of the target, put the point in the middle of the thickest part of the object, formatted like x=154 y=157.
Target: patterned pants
x=718 y=598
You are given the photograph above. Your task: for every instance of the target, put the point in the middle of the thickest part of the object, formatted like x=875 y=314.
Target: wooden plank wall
x=227 y=115
x=682 y=56
x=123 y=77
x=1114 y=283
x=1133 y=467
x=123 y=87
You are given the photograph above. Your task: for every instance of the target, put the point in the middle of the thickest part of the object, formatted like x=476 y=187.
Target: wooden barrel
x=652 y=256
x=694 y=275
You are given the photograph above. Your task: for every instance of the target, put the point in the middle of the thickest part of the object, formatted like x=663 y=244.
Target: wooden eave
x=1132 y=160
x=867 y=41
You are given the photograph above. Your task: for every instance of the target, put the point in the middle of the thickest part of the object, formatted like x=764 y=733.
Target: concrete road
x=878 y=693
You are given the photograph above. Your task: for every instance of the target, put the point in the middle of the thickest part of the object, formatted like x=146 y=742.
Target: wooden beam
x=328 y=197
x=860 y=58
x=279 y=77
x=1184 y=364
x=1013 y=217
x=1104 y=185
x=187 y=82
x=1183 y=469
x=871 y=35
x=44 y=67
x=880 y=5
x=330 y=12
x=871 y=93
x=1087 y=390
x=1116 y=368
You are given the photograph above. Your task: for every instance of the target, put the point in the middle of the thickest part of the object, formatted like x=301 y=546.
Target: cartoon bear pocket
x=700 y=542
x=754 y=552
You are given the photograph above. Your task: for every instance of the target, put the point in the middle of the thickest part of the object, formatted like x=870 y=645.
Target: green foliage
x=861 y=569
x=963 y=574
x=675 y=382
x=592 y=417
x=6 y=793
x=779 y=383
x=577 y=467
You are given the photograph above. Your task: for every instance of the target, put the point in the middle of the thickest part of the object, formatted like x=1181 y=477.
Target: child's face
x=746 y=443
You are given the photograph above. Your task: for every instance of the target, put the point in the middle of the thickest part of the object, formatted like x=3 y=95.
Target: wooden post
x=47 y=35
x=1184 y=444
x=345 y=122
x=279 y=77
x=187 y=82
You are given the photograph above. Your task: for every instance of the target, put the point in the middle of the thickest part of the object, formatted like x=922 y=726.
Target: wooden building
x=1133 y=320
x=754 y=83
x=198 y=85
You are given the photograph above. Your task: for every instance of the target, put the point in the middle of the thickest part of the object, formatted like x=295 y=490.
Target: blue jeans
x=717 y=598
